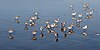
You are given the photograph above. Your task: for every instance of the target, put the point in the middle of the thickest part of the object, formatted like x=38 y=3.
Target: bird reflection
x=56 y=39
x=85 y=33
x=34 y=35
x=34 y=38
x=10 y=31
x=10 y=36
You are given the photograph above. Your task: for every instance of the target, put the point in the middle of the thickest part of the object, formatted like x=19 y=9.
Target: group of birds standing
x=50 y=28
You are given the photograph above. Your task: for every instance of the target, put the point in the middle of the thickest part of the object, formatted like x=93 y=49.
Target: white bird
x=74 y=13
x=63 y=23
x=85 y=5
x=30 y=20
x=69 y=27
x=85 y=27
x=80 y=15
x=56 y=20
x=48 y=26
x=79 y=20
x=73 y=18
x=47 y=21
x=16 y=17
x=91 y=12
x=36 y=13
x=87 y=13
x=72 y=24
x=33 y=18
x=34 y=32
x=52 y=25
x=71 y=6
x=97 y=34
x=56 y=34
x=41 y=28
x=11 y=30
x=26 y=23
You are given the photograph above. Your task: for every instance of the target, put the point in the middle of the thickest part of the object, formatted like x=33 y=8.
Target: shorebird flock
x=50 y=28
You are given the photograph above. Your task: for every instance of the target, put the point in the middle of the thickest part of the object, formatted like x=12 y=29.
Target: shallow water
x=47 y=10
